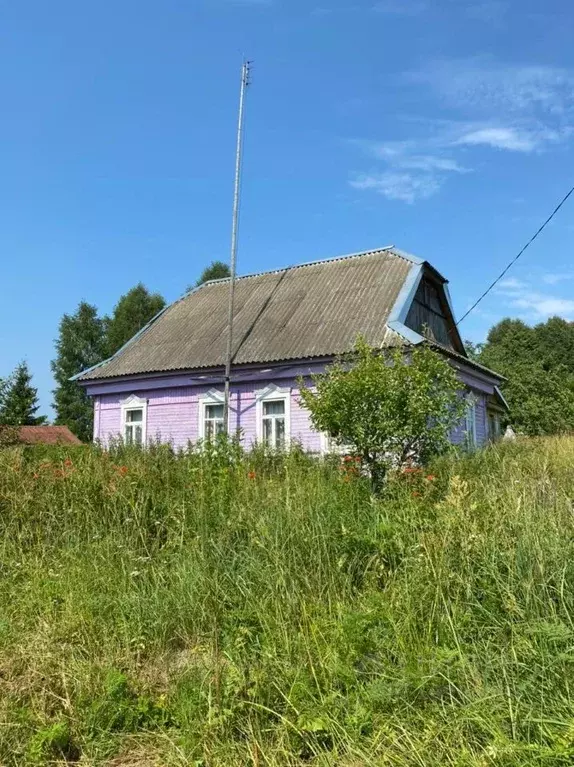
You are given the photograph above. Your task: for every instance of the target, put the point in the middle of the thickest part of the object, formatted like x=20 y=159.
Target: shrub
x=389 y=408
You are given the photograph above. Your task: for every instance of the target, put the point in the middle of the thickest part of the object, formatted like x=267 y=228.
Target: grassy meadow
x=230 y=610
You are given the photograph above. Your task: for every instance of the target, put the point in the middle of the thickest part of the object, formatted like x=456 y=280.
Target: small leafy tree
x=20 y=400
x=388 y=407
x=134 y=310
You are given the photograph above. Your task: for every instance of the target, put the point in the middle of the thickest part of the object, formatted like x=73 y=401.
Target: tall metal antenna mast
x=245 y=82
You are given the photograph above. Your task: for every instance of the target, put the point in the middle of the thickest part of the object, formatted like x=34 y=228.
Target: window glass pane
x=267 y=430
x=208 y=431
x=279 y=432
x=214 y=411
x=219 y=429
x=128 y=435
x=133 y=416
x=276 y=407
x=138 y=435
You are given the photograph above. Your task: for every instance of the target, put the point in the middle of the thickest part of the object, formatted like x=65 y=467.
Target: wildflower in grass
x=251 y=475
x=430 y=478
x=68 y=462
x=35 y=476
x=123 y=470
x=416 y=494
x=59 y=473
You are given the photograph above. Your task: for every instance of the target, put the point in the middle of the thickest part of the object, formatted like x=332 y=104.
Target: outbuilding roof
x=47 y=435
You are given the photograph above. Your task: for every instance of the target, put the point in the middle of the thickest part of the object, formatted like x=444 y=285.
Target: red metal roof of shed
x=47 y=435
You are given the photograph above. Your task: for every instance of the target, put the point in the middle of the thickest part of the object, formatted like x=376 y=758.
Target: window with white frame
x=274 y=423
x=471 y=420
x=211 y=411
x=213 y=421
x=134 y=418
x=273 y=414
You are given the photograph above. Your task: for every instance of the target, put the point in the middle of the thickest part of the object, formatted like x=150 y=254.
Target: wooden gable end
x=431 y=316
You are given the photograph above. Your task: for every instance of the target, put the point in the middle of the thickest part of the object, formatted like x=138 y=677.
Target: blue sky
x=444 y=127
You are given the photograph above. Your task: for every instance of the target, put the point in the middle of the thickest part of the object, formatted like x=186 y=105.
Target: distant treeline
x=84 y=339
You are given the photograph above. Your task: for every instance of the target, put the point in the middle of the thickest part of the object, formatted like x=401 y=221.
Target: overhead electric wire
x=515 y=259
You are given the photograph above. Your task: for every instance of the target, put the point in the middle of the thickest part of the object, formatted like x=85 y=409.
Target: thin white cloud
x=482 y=83
x=511 y=283
x=396 y=185
x=520 y=109
x=545 y=306
x=535 y=303
x=411 y=174
x=556 y=278
x=510 y=138
x=411 y=155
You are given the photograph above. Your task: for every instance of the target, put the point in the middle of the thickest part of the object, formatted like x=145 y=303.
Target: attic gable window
x=134 y=420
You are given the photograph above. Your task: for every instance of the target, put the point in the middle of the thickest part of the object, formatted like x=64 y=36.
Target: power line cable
x=515 y=259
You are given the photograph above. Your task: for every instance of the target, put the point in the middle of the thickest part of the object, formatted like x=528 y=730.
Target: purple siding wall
x=173 y=414
x=459 y=434
x=173 y=411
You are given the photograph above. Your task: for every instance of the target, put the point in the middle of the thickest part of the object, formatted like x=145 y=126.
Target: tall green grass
x=220 y=609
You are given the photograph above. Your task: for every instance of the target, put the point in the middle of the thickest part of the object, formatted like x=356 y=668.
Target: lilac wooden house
x=167 y=383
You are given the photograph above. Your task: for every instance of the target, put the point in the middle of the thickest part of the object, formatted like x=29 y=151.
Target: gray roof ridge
x=371 y=252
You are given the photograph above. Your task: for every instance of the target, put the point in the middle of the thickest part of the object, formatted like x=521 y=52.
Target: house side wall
x=458 y=435
x=173 y=413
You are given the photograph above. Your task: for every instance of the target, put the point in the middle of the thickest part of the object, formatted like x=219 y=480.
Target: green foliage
x=388 y=407
x=473 y=350
x=217 y=270
x=539 y=365
x=134 y=310
x=52 y=742
x=215 y=608
x=119 y=708
x=81 y=343
x=19 y=400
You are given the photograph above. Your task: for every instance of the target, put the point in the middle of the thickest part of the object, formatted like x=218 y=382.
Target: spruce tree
x=20 y=400
x=81 y=343
x=134 y=310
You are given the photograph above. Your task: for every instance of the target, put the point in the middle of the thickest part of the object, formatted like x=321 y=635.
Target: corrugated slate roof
x=311 y=310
